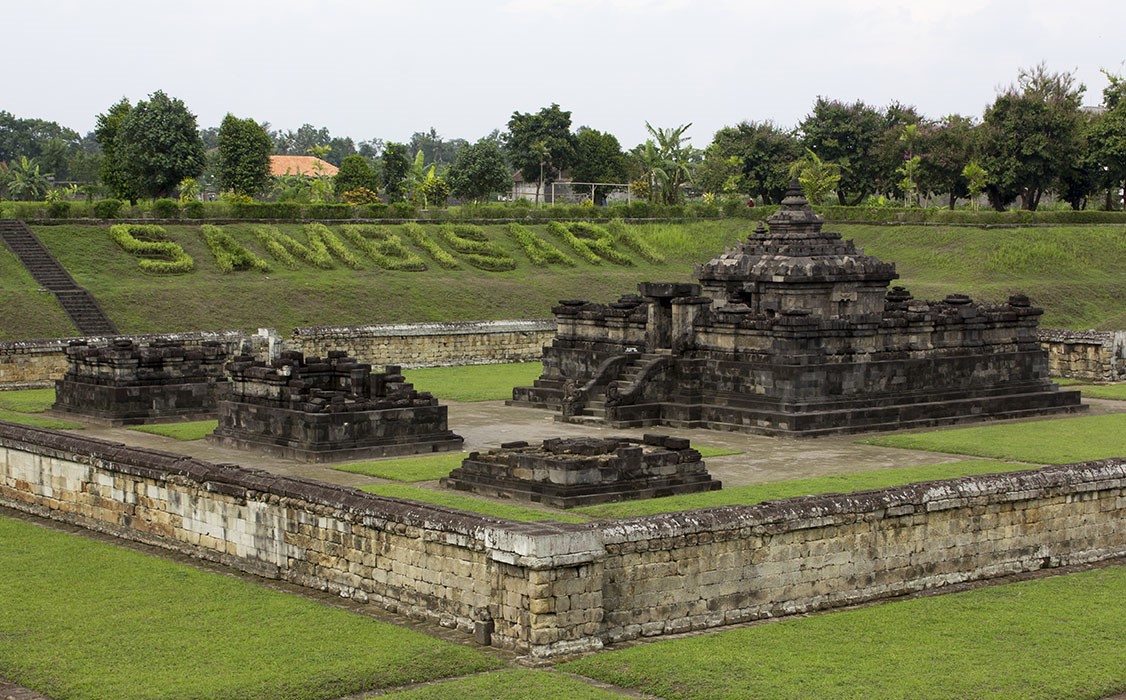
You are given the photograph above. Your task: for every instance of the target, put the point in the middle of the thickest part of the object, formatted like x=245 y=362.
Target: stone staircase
x=78 y=303
x=594 y=409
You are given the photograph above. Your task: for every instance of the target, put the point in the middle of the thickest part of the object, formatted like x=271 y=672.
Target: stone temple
x=794 y=332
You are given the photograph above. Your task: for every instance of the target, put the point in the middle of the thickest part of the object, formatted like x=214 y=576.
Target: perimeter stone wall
x=1092 y=355
x=551 y=588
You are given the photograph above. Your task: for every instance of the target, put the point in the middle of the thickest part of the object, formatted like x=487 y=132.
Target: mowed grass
x=459 y=500
x=408 y=469
x=186 y=431
x=474 y=382
x=1052 y=638
x=1114 y=392
x=23 y=406
x=89 y=620
x=36 y=421
x=1055 y=441
x=517 y=684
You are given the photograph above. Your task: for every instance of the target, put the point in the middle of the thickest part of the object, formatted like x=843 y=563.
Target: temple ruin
x=331 y=409
x=126 y=382
x=794 y=332
x=577 y=471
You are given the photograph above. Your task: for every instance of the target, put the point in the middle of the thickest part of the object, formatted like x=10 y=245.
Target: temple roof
x=795 y=249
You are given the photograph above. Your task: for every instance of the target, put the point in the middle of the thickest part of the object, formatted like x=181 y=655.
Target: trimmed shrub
x=322 y=237
x=166 y=209
x=194 y=209
x=592 y=242
x=383 y=246
x=288 y=211
x=328 y=211
x=58 y=209
x=376 y=210
x=161 y=257
x=401 y=210
x=422 y=240
x=475 y=247
x=230 y=255
x=107 y=208
x=629 y=237
x=539 y=251
x=272 y=240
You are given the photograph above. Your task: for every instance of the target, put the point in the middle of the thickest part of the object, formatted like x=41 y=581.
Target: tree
x=355 y=172
x=598 y=158
x=25 y=181
x=436 y=150
x=396 y=167
x=666 y=162
x=945 y=149
x=157 y=145
x=113 y=173
x=540 y=145
x=765 y=154
x=976 y=180
x=299 y=142
x=1031 y=134
x=849 y=136
x=718 y=173
x=479 y=171
x=244 y=156
x=1107 y=138
x=817 y=178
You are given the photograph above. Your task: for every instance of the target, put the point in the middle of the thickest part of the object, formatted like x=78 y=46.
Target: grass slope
x=88 y=620
x=1074 y=272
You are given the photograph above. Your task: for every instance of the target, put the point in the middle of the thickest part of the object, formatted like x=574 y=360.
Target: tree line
x=1035 y=138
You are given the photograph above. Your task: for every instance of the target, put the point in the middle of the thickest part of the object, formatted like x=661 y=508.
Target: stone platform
x=328 y=410
x=577 y=471
x=131 y=383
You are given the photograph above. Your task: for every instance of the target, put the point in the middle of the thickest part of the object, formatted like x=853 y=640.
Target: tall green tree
x=479 y=171
x=541 y=145
x=1030 y=135
x=1106 y=137
x=114 y=175
x=244 y=156
x=26 y=181
x=598 y=158
x=848 y=135
x=355 y=172
x=945 y=149
x=158 y=144
x=396 y=167
x=666 y=160
x=765 y=154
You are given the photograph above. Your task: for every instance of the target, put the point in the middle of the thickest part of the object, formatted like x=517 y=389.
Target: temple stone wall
x=1093 y=355
x=551 y=588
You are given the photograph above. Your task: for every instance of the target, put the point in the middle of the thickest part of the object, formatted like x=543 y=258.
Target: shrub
x=107 y=208
x=194 y=209
x=229 y=254
x=360 y=195
x=166 y=209
x=539 y=251
x=475 y=246
x=328 y=211
x=420 y=238
x=58 y=209
x=321 y=238
x=401 y=210
x=592 y=242
x=629 y=237
x=289 y=211
x=377 y=210
x=382 y=246
x=272 y=240
x=148 y=240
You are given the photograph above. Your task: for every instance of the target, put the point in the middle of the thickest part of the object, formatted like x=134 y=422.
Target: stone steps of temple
x=78 y=304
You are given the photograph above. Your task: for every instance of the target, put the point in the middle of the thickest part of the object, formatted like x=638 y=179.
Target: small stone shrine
x=130 y=383
x=569 y=472
x=332 y=409
x=794 y=332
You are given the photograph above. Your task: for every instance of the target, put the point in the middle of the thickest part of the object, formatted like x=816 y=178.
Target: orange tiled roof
x=301 y=165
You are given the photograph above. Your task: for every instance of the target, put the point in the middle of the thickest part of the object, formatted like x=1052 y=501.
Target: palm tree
x=667 y=161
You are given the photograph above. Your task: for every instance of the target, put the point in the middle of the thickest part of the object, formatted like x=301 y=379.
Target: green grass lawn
x=790 y=488
x=1055 y=441
x=458 y=500
x=1052 y=638
x=89 y=620
x=1115 y=392
x=407 y=469
x=517 y=684
x=190 y=430
x=27 y=400
x=36 y=421
x=474 y=382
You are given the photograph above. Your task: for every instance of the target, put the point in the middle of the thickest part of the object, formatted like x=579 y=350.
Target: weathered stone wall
x=29 y=363
x=1095 y=355
x=552 y=588
x=431 y=344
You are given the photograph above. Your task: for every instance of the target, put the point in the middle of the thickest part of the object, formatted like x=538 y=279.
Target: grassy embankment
x=1074 y=272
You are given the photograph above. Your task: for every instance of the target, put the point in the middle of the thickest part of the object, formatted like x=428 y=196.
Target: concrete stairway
x=78 y=303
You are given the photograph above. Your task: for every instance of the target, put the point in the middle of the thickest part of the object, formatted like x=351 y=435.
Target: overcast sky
x=386 y=69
